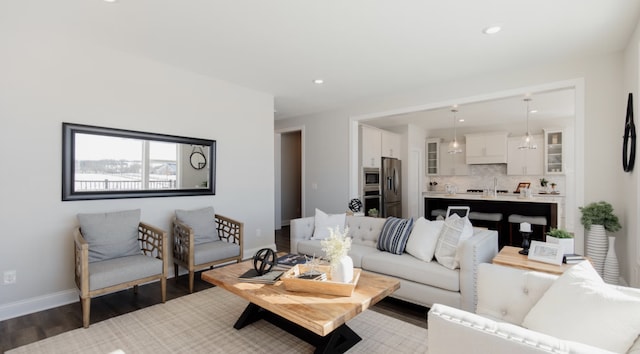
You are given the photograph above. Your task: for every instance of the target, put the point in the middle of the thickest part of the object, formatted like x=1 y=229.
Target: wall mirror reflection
x=107 y=163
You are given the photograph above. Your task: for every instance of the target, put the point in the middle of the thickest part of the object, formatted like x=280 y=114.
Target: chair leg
x=135 y=289
x=86 y=311
x=163 y=288
x=191 y=276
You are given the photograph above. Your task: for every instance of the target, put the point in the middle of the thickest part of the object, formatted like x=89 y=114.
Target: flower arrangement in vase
x=336 y=248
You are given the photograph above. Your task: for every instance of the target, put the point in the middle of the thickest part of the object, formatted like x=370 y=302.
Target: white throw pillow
x=454 y=231
x=324 y=222
x=580 y=307
x=423 y=239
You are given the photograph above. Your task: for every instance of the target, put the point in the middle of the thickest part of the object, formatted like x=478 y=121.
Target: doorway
x=289 y=196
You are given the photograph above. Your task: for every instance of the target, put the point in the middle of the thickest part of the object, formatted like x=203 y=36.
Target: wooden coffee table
x=316 y=318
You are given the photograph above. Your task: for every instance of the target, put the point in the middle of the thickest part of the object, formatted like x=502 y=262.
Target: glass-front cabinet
x=432 y=155
x=553 y=152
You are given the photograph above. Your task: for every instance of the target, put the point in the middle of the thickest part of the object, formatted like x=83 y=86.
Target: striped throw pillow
x=394 y=235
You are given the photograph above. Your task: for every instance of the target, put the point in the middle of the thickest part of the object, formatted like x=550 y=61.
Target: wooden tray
x=328 y=287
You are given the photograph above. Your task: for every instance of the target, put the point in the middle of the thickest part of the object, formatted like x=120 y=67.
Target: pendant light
x=527 y=139
x=454 y=147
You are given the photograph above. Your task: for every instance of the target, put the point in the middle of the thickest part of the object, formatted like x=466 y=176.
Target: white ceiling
x=545 y=108
x=361 y=48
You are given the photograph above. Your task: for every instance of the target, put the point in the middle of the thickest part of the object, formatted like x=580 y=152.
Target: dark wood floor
x=30 y=328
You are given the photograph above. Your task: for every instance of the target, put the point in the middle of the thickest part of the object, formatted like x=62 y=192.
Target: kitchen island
x=506 y=204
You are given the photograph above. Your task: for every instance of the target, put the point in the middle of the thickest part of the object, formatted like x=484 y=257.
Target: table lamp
x=525 y=230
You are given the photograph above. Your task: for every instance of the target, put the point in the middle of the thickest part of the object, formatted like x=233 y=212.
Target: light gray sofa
x=423 y=283
x=505 y=297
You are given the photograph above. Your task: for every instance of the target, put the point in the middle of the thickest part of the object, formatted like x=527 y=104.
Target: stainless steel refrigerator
x=391 y=187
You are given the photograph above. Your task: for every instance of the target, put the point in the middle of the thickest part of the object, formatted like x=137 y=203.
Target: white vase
x=342 y=270
x=611 y=267
x=597 y=247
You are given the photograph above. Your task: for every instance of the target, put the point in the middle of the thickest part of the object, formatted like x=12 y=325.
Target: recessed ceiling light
x=492 y=30
x=533 y=111
x=110 y=0
x=318 y=81
x=461 y=120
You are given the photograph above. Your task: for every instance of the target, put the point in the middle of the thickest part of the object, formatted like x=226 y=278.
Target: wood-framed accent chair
x=100 y=265
x=203 y=239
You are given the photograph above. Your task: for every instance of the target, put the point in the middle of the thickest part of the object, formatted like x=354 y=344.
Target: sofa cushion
x=202 y=222
x=364 y=230
x=423 y=238
x=407 y=267
x=454 y=232
x=324 y=222
x=111 y=235
x=121 y=270
x=580 y=307
x=214 y=251
x=395 y=234
x=314 y=248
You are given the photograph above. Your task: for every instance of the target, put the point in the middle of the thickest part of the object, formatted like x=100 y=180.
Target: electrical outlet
x=10 y=277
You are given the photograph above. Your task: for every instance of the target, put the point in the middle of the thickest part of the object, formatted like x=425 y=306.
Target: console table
x=509 y=256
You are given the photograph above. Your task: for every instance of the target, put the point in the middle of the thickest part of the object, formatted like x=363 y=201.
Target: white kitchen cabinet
x=432 y=162
x=370 y=146
x=486 y=148
x=522 y=162
x=391 y=143
x=553 y=152
x=453 y=164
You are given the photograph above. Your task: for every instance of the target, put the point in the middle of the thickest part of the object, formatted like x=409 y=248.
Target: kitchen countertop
x=507 y=197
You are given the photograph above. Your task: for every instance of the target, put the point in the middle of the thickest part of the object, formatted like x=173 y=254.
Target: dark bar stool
x=539 y=221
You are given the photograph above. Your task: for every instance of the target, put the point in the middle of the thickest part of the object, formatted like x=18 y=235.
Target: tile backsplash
x=482 y=176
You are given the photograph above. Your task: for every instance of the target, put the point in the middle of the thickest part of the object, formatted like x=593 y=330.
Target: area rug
x=203 y=323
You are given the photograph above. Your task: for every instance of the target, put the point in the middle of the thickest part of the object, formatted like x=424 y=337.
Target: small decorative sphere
x=264 y=260
x=355 y=205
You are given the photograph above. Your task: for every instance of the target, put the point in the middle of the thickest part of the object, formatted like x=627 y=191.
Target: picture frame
x=462 y=211
x=522 y=185
x=546 y=252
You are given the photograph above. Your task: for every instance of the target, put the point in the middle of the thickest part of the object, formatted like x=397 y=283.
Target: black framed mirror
x=110 y=163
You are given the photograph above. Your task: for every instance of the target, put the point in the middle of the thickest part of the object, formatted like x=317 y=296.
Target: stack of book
x=289 y=260
x=313 y=275
x=252 y=276
x=572 y=258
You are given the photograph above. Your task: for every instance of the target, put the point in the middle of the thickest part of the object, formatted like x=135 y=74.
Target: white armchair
x=506 y=297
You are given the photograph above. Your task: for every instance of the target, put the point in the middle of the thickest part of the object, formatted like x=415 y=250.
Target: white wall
x=603 y=117
x=628 y=244
x=47 y=80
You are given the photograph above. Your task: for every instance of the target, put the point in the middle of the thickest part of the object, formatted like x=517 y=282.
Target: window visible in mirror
x=105 y=163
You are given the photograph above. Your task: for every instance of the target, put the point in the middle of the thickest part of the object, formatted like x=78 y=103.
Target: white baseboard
x=45 y=302
x=39 y=303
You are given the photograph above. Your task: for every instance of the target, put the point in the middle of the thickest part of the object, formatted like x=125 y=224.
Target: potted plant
x=543 y=182
x=600 y=213
x=373 y=212
x=562 y=237
x=597 y=218
x=336 y=249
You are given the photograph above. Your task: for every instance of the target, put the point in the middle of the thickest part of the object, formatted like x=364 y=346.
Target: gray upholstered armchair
x=115 y=251
x=203 y=239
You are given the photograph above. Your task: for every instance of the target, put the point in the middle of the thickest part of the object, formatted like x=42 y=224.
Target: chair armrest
x=230 y=230
x=81 y=255
x=183 y=241
x=153 y=242
x=480 y=248
x=482 y=335
x=301 y=229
